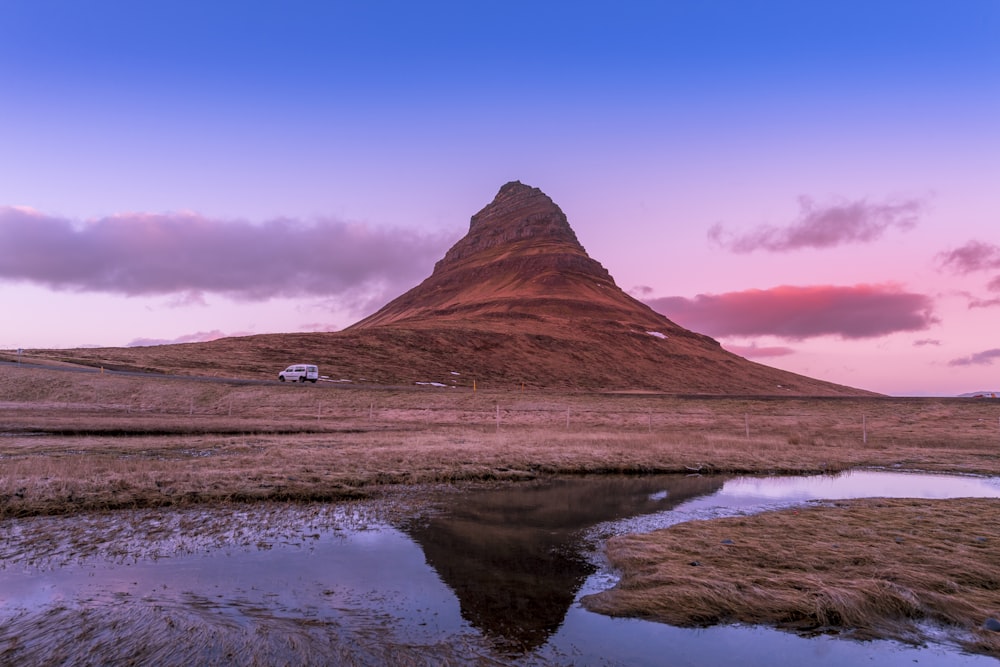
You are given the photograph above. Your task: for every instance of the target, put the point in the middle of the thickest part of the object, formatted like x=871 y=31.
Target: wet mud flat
x=491 y=574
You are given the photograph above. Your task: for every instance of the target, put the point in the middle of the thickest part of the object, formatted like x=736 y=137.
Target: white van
x=300 y=373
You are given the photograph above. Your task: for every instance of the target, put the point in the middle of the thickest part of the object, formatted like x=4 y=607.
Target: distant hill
x=516 y=301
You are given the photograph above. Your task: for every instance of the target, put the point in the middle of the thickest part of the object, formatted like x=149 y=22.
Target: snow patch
x=657 y=334
x=431 y=384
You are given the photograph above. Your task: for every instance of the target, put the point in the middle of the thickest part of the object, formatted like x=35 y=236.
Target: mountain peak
x=518 y=213
x=520 y=258
x=512 y=196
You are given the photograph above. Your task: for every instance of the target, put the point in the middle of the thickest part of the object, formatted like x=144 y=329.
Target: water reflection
x=513 y=556
x=491 y=577
x=764 y=492
x=861 y=484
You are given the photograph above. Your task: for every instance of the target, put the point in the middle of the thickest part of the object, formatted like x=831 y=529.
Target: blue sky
x=384 y=126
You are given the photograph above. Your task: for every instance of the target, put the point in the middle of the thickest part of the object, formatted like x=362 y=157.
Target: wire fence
x=755 y=419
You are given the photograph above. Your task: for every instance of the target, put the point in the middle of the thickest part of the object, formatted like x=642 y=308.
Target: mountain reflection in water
x=514 y=556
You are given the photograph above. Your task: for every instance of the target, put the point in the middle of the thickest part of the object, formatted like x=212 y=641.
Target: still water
x=478 y=577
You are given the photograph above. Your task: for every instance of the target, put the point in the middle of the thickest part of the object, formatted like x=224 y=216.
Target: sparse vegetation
x=876 y=567
x=72 y=442
x=77 y=442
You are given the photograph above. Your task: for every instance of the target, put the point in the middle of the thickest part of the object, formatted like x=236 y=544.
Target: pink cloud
x=754 y=351
x=923 y=342
x=973 y=256
x=984 y=358
x=984 y=303
x=823 y=226
x=797 y=313
x=640 y=291
x=187 y=254
x=187 y=299
x=199 y=337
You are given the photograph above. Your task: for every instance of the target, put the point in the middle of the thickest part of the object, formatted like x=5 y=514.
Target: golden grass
x=875 y=567
x=72 y=442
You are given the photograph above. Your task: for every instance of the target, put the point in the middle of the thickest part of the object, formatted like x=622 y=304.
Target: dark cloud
x=754 y=351
x=973 y=256
x=823 y=226
x=984 y=358
x=796 y=313
x=141 y=254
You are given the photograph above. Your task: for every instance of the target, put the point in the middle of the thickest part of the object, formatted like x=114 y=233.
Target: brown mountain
x=517 y=300
x=521 y=289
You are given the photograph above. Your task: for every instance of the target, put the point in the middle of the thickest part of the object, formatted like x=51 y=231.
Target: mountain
x=517 y=301
x=519 y=296
x=520 y=261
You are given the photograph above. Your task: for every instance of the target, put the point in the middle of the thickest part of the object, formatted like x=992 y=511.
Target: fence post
x=864 y=429
x=498 y=417
x=746 y=422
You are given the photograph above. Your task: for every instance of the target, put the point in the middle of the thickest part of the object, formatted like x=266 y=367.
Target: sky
x=814 y=184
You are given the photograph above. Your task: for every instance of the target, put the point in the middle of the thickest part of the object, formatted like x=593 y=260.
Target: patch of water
x=750 y=495
x=489 y=577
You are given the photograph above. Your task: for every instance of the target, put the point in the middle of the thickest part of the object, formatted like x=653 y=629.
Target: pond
x=489 y=576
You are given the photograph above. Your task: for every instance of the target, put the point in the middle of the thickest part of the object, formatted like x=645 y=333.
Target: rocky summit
x=516 y=303
x=520 y=261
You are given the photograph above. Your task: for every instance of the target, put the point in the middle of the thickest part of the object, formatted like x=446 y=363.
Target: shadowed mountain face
x=516 y=302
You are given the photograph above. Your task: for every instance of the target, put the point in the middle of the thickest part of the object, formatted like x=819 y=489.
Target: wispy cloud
x=924 y=342
x=971 y=257
x=200 y=337
x=984 y=358
x=823 y=226
x=754 y=351
x=640 y=291
x=797 y=313
x=186 y=254
x=984 y=303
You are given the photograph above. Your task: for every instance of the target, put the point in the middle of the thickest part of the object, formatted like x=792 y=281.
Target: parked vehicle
x=299 y=373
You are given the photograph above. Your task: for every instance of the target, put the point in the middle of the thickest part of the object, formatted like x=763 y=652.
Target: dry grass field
x=73 y=442
x=877 y=567
x=83 y=441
